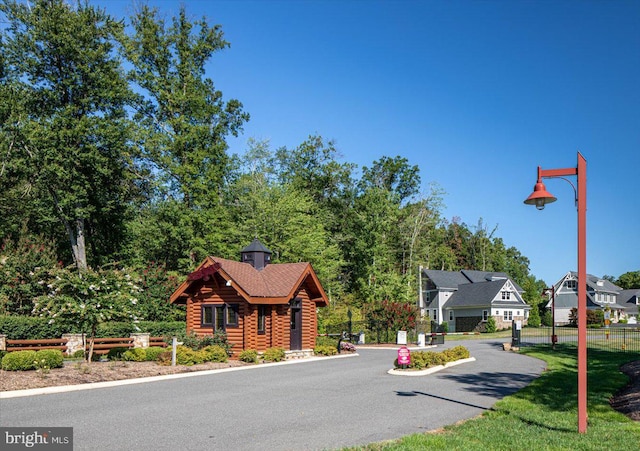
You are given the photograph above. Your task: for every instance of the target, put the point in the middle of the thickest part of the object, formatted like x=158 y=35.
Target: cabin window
x=506 y=295
x=508 y=315
x=485 y=315
x=232 y=315
x=262 y=314
x=219 y=317
x=207 y=315
x=450 y=315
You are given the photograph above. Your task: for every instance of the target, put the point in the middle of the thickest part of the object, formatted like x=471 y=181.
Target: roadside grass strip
x=543 y=415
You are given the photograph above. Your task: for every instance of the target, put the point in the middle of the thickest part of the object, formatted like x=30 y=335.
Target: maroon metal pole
x=581 y=199
x=582 y=294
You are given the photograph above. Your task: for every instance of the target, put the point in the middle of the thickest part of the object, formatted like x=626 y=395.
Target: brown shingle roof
x=276 y=283
x=275 y=280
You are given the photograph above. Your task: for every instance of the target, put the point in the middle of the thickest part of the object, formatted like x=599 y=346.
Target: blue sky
x=476 y=93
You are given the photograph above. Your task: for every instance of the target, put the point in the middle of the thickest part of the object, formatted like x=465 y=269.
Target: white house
x=466 y=299
x=601 y=295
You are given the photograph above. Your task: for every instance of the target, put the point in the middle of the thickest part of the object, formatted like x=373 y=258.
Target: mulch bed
x=627 y=400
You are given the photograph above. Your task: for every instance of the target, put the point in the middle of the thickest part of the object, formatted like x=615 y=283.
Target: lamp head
x=540 y=196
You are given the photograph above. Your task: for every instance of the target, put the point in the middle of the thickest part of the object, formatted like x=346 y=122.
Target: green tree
x=183 y=126
x=184 y=122
x=67 y=137
x=629 y=280
x=394 y=175
x=25 y=268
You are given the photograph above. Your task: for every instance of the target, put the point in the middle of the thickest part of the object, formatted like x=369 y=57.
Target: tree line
x=114 y=157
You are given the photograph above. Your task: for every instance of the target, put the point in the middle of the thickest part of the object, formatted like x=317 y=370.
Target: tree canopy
x=114 y=152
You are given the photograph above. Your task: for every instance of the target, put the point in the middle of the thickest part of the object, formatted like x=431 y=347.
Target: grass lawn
x=543 y=415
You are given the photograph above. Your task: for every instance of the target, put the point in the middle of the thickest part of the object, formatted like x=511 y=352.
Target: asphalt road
x=324 y=404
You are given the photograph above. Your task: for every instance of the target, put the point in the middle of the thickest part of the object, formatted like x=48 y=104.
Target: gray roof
x=480 y=294
x=445 y=279
x=452 y=279
x=482 y=276
x=629 y=299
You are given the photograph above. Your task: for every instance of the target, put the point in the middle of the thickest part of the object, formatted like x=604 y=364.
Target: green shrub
x=79 y=354
x=187 y=356
x=153 y=353
x=163 y=328
x=273 y=355
x=249 y=356
x=51 y=358
x=197 y=342
x=325 y=350
x=425 y=359
x=214 y=353
x=115 y=329
x=491 y=325
x=31 y=328
x=326 y=341
x=116 y=353
x=19 y=361
x=456 y=353
x=135 y=355
x=2 y=354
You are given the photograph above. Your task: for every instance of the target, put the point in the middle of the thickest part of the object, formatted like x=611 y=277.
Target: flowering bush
x=88 y=299
x=394 y=315
x=347 y=347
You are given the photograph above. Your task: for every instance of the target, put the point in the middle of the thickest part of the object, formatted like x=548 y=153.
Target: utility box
x=516 y=329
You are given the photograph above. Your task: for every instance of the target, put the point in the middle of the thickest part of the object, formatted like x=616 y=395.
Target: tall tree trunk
x=76 y=235
x=76 y=239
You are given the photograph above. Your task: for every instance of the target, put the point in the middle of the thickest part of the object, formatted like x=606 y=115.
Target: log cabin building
x=258 y=304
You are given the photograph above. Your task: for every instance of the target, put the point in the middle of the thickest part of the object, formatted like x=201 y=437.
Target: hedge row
x=34 y=328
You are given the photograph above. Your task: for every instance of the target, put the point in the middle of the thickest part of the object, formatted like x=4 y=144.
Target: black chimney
x=256 y=254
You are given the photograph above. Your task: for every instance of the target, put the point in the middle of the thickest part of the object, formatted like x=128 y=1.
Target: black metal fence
x=621 y=339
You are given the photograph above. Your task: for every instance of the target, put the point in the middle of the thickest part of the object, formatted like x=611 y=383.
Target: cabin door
x=296 y=325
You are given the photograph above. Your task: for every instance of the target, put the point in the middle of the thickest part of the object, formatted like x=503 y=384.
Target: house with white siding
x=466 y=299
x=601 y=295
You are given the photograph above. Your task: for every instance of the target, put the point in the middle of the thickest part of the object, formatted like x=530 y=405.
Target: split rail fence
x=71 y=343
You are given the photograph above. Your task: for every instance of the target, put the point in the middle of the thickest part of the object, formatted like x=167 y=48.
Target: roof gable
x=275 y=284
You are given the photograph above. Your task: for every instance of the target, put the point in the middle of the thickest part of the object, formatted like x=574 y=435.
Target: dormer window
x=506 y=295
x=571 y=284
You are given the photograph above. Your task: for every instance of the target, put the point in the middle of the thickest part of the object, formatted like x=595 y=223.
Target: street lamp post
x=540 y=197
